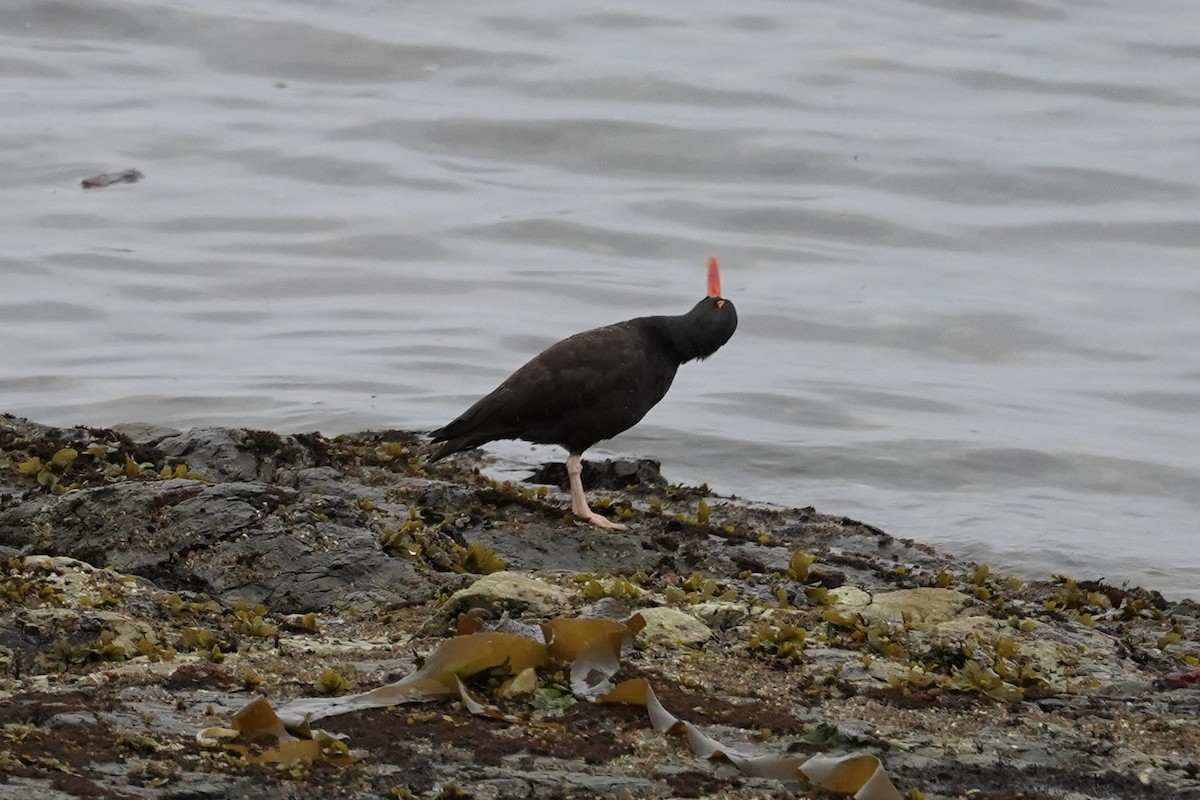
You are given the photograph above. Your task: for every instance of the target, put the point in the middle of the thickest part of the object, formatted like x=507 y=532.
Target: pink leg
x=579 y=504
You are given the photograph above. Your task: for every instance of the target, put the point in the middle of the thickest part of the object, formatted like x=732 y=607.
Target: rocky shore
x=163 y=593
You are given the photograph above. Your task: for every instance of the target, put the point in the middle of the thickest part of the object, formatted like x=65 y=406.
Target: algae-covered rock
x=226 y=454
x=252 y=541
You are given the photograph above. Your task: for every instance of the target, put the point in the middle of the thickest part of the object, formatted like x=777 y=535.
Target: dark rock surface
x=250 y=535
x=620 y=474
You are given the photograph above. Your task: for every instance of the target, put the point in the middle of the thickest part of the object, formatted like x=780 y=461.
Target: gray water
x=961 y=238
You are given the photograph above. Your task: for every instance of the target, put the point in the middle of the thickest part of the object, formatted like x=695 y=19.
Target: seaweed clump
x=82 y=458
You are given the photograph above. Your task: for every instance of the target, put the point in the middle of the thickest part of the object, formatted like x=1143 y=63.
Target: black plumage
x=593 y=385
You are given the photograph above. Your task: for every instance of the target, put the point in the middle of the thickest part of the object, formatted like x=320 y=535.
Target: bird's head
x=712 y=321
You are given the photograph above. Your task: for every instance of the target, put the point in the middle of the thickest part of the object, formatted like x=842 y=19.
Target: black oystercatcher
x=593 y=385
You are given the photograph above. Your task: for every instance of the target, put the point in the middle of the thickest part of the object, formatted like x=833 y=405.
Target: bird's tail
x=453 y=444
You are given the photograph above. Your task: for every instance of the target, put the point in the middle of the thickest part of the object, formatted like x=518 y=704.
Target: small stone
x=501 y=788
x=671 y=626
x=54 y=563
x=849 y=597
x=535 y=595
x=145 y=432
x=509 y=589
x=721 y=615
x=71 y=719
x=921 y=605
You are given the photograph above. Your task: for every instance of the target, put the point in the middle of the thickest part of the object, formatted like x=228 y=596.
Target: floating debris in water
x=109 y=178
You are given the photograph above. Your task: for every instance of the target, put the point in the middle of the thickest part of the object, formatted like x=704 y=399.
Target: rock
x=511 y=588
x=721 y=615
x=249 y=541
x=509 y=591
x=926 y=604
x=501 y=788
x=849 y=598
x=145 y=433
x=30 y=789
x=71 y=719
x=608 y=475
x=224 y=454
x=551 y=546
x=296 y=523
x=126 y=632
x=672 y=627
x=320 y=480
x=216 y=453
x=608 y=608
x=56 y=563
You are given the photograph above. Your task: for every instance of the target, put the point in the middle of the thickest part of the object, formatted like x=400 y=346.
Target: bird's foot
x=587 y=515
x=579 y=503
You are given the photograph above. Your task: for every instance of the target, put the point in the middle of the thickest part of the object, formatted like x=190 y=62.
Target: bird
x=593 y=386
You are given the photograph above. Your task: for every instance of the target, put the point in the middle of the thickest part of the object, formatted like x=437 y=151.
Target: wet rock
x=248 y=541
x=613 y=474
x=551 y=546
x=224 y=454
x=145 y=433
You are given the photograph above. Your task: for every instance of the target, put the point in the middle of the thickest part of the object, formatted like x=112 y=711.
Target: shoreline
x=175 y=575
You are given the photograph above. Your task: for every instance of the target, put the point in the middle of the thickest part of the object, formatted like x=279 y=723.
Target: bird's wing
x=553 y=383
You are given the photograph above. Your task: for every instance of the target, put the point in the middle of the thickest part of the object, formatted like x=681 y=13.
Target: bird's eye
x=721 y=302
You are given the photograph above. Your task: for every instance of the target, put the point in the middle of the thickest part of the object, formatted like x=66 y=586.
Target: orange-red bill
x=714 y=278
